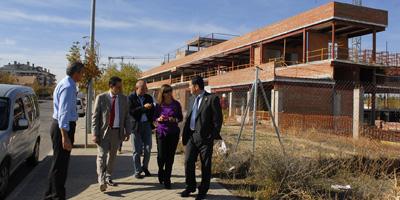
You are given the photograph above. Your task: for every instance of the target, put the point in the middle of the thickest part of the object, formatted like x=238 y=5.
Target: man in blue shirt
x=63 y=129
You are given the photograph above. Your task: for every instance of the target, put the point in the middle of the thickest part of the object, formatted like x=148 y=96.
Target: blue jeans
x=141 y=141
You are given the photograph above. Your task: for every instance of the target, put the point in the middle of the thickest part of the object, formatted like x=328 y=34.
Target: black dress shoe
x=167 y=185
x=146 y=172
x=103 y=187
x=161 y=176
x=139 y=176
x=200 y=196
x=186 y=192
x=110 y=182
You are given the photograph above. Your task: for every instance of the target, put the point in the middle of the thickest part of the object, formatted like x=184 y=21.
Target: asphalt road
x=45 y=144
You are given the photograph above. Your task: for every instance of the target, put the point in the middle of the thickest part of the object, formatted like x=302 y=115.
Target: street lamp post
x=90 y=84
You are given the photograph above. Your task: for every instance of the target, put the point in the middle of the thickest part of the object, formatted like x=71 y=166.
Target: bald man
x=141 y=110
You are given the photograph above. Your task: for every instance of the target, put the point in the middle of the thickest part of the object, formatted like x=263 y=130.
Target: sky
x=42 y=31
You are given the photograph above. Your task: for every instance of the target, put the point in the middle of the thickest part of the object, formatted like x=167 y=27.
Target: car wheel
x=4 y=178
x=34 y=158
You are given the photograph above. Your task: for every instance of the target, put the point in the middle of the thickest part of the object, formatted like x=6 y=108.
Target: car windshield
x=4 y=113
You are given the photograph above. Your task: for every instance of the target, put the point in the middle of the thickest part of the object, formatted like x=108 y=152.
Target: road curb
x=14 y=194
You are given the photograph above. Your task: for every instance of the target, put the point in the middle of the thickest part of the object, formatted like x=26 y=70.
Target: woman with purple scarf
x=168 y=114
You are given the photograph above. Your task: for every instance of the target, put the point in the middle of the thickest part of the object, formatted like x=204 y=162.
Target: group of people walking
x=118 y=118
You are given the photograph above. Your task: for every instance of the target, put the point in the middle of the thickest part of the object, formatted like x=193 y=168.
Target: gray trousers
x=106 y=154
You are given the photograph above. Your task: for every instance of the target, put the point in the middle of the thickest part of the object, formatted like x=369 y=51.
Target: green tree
x=91 y=71
x=90 y=61
x=74 y=54
x=129 y=74
x=7 y=78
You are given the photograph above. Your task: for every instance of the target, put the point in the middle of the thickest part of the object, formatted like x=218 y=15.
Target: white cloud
x=6 y=15
x=47 y=3
x=175 y=26
x=161 y=25
x=8 y=42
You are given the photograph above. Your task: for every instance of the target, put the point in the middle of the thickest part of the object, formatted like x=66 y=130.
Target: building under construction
x=309 y=69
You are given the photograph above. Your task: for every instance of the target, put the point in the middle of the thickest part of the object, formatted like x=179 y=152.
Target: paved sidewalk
x=82 y=178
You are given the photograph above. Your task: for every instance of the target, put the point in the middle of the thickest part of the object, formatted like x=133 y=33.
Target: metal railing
x=365 y=56
x=210 y=73
x=281 y=62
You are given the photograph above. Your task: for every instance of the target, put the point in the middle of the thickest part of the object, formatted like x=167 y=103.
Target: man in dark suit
x=202 y=126
x=141 y=110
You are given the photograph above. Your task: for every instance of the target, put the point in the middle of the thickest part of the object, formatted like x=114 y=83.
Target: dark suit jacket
x=208 y=120
x=136 y=110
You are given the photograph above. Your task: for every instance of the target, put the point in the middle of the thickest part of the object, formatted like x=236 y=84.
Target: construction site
x=312 y=67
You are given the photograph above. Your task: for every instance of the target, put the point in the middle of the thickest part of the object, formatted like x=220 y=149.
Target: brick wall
x=307 y=99
x=322 y=13
x=359 y=13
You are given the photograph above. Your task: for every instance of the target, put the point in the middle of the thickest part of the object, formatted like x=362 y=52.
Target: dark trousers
x=166 y=148
x=59 y=166
x=191 y=153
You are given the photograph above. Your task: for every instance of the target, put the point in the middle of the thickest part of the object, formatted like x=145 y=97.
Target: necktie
x=194 y=113
x=112 y=114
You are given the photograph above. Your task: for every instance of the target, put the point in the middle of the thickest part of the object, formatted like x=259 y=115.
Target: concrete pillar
x=182 y=76
x=230 y=104
x=272 y=101
x=250 y=108
x=276 y=104
x=358 y=111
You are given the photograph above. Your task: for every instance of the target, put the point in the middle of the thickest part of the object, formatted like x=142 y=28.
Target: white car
x=80 y=107
x=19 y=130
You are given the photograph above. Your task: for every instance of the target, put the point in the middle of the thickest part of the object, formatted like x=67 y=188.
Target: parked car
x=80 y=107
x=19 y=130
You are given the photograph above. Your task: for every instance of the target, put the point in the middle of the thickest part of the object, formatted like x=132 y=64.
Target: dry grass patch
x=311 y=166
